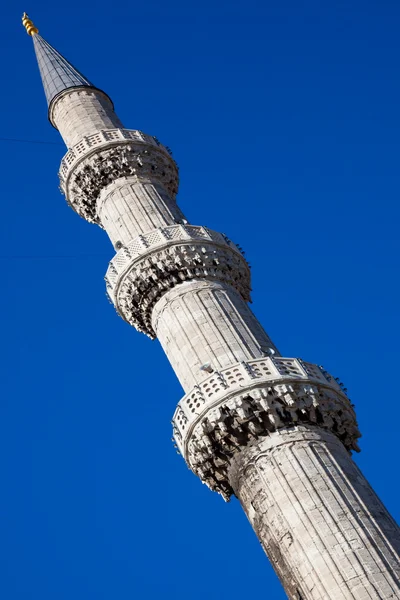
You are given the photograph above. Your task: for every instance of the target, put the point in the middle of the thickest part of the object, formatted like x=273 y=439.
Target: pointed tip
x=57 y=73
x=28 y=24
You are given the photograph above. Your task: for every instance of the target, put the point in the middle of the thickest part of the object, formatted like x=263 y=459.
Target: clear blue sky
x=284 y=119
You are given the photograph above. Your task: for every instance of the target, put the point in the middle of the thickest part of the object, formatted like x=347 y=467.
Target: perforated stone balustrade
x=239 y=405
x=242 y=377
x=155 y=239
x=153 y=263
x=106 y=138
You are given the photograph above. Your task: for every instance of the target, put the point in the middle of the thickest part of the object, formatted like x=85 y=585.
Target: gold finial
x=29 y=26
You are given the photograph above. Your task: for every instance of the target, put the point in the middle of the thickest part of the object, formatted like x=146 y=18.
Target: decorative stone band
x=104 y=138
x=141 y=272
x=248 y=400
x=105 y=156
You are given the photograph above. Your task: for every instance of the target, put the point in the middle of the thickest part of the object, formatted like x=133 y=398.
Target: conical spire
x=56 y=72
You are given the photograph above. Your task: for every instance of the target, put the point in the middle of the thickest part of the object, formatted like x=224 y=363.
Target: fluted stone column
x=278 y=434
x=135 y=206
x=207 y=323
x=82 y=112
x=320 y=523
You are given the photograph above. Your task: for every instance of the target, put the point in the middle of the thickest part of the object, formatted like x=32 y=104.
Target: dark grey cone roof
x=57 y=73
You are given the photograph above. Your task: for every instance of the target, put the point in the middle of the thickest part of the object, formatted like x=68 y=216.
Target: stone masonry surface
x=207 y=322
x=77 y=114
x=236 y=406
x=324 y=529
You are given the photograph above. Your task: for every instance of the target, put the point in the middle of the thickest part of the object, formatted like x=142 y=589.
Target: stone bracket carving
x=210 y=428
x=104 y=138
x=153 y=263
x=102 y=163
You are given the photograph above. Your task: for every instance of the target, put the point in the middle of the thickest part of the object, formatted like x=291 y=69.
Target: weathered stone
x=96 y=171
x=83 y=112
x=165 y=258
x=248 y=403
x=327 y=534
x=205 y=326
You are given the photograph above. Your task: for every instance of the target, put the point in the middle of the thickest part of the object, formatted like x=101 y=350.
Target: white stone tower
x=276 y=432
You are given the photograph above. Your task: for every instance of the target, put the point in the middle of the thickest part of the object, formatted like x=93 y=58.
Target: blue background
x=284 y=120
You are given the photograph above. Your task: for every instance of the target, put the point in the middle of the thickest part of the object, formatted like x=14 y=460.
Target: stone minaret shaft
x=275 y=432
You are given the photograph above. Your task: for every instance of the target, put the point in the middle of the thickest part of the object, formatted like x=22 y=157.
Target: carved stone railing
x=100 y=159
x=156 y=238
x=239 y=404
x=105 y=137
x=153 y=263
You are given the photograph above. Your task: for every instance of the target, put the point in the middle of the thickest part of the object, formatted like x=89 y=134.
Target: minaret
x=275 y=432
